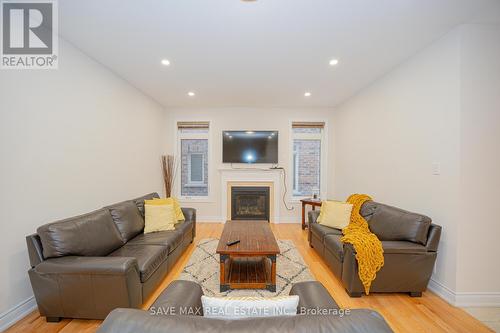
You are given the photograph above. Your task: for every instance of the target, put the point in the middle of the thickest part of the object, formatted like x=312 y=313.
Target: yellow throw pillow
x=335 y=214
x=158 y=218
x=179 y=216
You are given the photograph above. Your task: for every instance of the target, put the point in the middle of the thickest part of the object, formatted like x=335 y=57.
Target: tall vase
x=168 y=170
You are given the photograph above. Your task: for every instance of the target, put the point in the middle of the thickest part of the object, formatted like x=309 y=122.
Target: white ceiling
x=265 y=53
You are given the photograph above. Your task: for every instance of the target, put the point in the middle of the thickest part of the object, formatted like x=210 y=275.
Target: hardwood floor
x=403 y=313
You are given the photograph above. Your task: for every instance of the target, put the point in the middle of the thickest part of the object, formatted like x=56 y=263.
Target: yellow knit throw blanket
x=369 y=251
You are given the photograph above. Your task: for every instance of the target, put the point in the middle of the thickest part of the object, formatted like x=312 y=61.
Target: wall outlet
x=436 y=168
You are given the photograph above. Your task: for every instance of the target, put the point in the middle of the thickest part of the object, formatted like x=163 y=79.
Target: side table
x=308 y=201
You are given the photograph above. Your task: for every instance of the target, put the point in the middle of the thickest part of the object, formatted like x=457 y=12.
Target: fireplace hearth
x=250 y=203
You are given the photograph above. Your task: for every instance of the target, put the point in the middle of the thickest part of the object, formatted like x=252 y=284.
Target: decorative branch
x=169 y=170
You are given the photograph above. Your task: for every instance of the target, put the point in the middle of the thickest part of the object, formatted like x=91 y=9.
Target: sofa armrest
x=312 y=295
x=35 y=250
x=433 y=237
x=363 y=321
x=181 y=297
x=85 y=287
x=312 y=216
x=88 y=265
x=190 y=215
x=132 y=321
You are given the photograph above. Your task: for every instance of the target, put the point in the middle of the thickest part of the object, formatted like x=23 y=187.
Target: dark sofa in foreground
x=86 y=266
x=187 y=295
x=410 y=242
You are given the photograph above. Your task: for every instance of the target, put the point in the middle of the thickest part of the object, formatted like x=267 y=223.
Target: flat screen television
x=250 y=147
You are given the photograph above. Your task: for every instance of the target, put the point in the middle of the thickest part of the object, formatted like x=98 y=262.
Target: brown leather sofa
x=88 y=265
x=182 y=301
x=410 y=242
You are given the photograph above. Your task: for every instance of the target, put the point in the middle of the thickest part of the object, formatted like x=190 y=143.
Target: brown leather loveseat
x=86 y=266
x=179 y=309
x=410 y=242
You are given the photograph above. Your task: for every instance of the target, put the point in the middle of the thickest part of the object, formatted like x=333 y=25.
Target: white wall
x=387 y=138
x=479 y=245
x=439 y=109
x=242 y=119
x=71 y=140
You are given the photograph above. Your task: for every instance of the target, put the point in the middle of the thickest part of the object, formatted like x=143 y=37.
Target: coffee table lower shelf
x=248 y=272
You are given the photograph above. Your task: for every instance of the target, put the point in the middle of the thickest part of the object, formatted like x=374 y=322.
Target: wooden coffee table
x=250 y=264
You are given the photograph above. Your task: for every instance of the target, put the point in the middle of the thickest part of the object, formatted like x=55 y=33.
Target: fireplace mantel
x=240 y=176
x=248 y=169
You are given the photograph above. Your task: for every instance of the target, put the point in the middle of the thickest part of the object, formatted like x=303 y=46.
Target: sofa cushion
x=169 y=239
x=321 y=231
x=395 y=224
x=335 y=214
x=127 y=218
x=402 y=247
x=335 y=246
x=149 y=257
x=91 y=234
x=159 y=218
x=140 y=201
x=179 y=216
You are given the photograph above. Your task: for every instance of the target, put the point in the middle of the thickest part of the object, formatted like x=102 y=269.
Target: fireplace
x=250 y=203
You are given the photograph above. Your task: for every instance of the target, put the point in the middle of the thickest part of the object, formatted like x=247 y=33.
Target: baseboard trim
x=482 y=299
x=465 y=299
x=18 y=312
x=209 y=219
x=442 y=291
x=288 y=220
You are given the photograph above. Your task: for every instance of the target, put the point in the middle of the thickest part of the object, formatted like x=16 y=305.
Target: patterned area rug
x=203 y=268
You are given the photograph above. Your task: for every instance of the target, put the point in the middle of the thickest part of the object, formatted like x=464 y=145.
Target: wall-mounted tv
x=250 y=147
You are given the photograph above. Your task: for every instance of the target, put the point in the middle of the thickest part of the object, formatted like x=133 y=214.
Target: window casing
x=295 y=165
x=193 y=152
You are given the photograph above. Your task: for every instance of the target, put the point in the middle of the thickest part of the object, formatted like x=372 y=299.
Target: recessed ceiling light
x=334 y=62
x=191 y=94
x=249 y=132
x=165 y=62
x=307 y=94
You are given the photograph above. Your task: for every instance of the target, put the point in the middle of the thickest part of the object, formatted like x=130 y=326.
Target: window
x=307 y=158
x=196 y=169
x=193 y=147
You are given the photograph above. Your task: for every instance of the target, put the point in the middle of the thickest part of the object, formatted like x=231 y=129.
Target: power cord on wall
x=283 y=172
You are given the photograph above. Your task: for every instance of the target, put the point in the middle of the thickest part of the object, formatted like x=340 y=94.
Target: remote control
x=233 y=242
